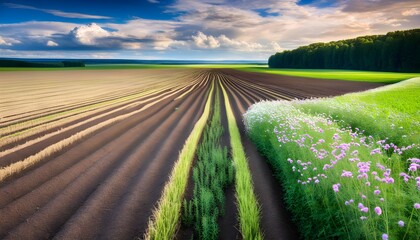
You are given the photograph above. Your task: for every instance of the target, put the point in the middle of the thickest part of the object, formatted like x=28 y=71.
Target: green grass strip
x=248 y=208
x=212 y=174
x=166 y=217
x=337 y=74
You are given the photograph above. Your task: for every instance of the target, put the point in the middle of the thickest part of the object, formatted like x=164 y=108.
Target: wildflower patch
x=339 y=183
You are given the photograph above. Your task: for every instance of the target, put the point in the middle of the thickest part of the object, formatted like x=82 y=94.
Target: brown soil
x=107 y=185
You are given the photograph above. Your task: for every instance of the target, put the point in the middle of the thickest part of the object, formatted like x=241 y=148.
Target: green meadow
x=348 y=163
x=350 y=75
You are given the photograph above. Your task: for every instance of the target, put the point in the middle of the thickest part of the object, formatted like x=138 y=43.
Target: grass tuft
x=211 y=175
x=248 y=208
x=165 y=218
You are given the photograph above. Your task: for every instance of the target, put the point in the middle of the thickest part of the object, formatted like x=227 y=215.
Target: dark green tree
x=395 y=51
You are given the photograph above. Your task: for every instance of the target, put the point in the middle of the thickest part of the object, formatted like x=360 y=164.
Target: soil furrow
x=146 y=190
x=76 y=162
x=275 y=220
x=229 y=225
x=255 y=95
x=75 y=194
x=109 y=203
x=34 y=148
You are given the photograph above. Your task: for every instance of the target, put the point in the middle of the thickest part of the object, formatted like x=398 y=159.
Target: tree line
x=396 y=51
x=19 y=63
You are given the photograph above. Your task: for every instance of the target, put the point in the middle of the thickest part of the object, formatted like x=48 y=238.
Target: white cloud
x=88 y=34
x=153 y=1
x=8 y=41
x=229 y=27
x=57 y=13
x=131 y=45
x=3 y=42
x=52 y=43
x=276 y=47
x=203 y=41
x=36 y=28
x=411 y=12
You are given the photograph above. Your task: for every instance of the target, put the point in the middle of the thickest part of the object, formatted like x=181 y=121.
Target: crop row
x=165 y=218
x=69 y=107
x=212 y=173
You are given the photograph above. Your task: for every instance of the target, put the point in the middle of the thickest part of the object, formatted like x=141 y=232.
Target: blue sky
x=190 y=29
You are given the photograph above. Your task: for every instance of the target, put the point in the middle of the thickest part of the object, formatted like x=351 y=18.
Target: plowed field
x=86 y=154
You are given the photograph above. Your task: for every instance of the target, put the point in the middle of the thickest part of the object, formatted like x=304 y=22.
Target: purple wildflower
x=377 y=192
x=363 y=218
x=401 y=223
x=413 y=167
x=347 y=174
x=375 y=151
x=417 y=205
x=378 y=210
x=365 y=209
x=384 y=236
x=335 y=187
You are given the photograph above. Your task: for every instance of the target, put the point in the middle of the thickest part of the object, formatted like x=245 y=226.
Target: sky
x=190 y=29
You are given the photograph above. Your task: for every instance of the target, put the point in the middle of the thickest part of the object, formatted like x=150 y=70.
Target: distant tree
x=73 y=64
x=20 y=63
x=395 y=51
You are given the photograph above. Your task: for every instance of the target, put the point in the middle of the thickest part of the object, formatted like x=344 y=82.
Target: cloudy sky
x=190 y=29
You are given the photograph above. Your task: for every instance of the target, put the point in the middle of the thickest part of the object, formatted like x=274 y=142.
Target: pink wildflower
x=335 y=187
x=365 y=209
x=378 y=210
x=347 y=174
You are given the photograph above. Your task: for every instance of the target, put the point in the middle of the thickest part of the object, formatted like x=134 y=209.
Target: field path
x=106 y=183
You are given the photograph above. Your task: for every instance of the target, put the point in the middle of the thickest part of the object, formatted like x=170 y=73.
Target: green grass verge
x=212 y=174
x=166 y=217
x=339 y=184
x=248 y=208
x=391 y=112
x=349 y=164
x=363 y=76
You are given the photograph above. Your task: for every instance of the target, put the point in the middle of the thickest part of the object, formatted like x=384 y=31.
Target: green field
x=391 y=112
x=350 y=75
x=349 y=163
